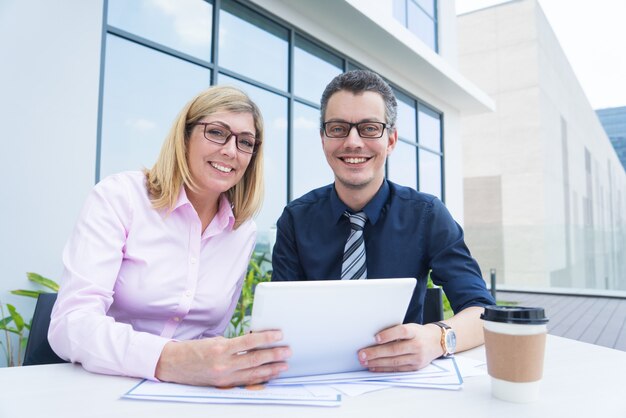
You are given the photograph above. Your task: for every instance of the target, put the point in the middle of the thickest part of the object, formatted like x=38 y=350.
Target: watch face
x=451 y=341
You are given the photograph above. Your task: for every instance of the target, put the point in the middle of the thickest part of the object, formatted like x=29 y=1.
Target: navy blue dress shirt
x=407 y=234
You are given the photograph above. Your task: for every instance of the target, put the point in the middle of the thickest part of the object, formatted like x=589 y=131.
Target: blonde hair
x=171 y=171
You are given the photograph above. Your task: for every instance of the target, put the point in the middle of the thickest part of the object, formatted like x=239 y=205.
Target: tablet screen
x=326 y=322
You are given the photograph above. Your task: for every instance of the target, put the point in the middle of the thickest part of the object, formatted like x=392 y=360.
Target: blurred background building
x=544 y=190
x=613 y=120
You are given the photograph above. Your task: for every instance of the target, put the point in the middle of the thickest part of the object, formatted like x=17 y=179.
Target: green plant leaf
x=23 y=343
x=28 y=293
x=17 y=318
x=4 y=322
x=44 y=281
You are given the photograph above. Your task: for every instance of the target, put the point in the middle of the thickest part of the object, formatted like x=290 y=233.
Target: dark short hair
x=359 y=81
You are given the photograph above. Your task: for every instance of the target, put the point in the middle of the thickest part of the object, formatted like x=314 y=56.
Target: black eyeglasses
x=246 y=142
x=366 y=130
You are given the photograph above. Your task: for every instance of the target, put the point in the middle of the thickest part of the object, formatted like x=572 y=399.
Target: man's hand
x=411 y=347
x=403 y=348
x=223 y=362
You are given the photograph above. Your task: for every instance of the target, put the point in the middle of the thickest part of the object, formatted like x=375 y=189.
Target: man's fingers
x=392 y=349
x=398 y=332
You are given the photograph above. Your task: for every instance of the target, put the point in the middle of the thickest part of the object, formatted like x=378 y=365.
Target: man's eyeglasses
x=366 y=130
x=246 y=142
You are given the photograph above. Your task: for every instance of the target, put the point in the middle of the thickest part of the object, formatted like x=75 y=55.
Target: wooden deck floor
x=595 y=320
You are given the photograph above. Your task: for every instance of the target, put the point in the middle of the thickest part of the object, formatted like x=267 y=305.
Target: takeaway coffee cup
x=515 y=340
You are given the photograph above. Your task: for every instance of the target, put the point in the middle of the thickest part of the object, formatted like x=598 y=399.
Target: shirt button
x=193 y=260
x=188 y=293
x=176 y=319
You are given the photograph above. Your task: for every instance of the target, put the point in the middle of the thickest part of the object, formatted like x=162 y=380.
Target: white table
x=580 y=380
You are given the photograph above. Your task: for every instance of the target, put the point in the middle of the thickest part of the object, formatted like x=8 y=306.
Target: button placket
x=186 y=298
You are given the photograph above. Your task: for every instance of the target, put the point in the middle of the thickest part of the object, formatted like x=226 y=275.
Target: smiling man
x=364 y=226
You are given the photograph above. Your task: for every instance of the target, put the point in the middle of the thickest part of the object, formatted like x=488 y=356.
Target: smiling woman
x=187 y=149
x=154 y=267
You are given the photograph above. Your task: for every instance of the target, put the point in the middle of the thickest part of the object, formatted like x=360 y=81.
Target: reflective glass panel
x=183 y=25
x=402 y=165
x=253 y=46
x=406 y=117
x=314 y=68
x=399 y=11
x=274 y=111
x=430 y=173
x=310 y=169
x=429 y=123
x=421 y=25
x=353 y=66
x=428 y=6
x=140 y=102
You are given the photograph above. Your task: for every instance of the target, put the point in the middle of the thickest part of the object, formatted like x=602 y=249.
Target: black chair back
x=38 y=349
x=433 y=305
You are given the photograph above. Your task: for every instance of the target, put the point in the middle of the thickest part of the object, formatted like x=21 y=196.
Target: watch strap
x=444 y=331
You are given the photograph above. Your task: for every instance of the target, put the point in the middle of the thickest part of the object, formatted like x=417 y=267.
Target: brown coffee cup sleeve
x=515 y=358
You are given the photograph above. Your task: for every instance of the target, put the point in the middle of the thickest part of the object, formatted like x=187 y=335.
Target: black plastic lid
x=515 y=315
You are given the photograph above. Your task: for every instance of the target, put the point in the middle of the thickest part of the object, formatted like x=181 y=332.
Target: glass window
x=253 y=46
x=406 y=117
x=310 y=169
x=430 y=173
x=314 y=68
x=402 y=165
x=428 y=6
x=140 y=102
x=353 y=66
x=399 y=11
x=421 y=24
x=274 y=110
x=429 y=123
x=184 y=25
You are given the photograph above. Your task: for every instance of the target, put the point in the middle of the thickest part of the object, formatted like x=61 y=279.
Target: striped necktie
x=353 y=266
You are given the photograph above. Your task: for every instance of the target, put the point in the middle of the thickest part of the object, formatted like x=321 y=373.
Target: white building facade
x=545 y=194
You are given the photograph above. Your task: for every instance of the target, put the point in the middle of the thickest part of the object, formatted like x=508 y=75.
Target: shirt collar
x=224 y=219
x=373 y=208
x=182 y=198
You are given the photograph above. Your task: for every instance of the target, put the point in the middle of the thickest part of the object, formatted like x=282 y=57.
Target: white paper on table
x=440 y=374
x=451 y=382
x=432 y=369
x=470 y=367
x=258 y=394
x=451 y=379
x=356 y=389
x=349 y=389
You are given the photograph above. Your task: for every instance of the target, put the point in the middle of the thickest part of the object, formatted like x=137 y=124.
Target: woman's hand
x=223 y=362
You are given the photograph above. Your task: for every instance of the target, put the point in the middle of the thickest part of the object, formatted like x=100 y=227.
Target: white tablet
x=326 y=322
